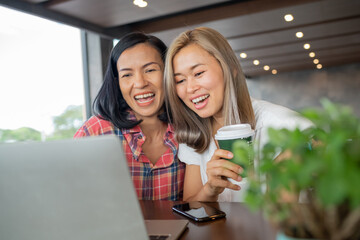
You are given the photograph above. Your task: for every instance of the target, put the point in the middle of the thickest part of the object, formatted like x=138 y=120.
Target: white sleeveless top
x=266 y=115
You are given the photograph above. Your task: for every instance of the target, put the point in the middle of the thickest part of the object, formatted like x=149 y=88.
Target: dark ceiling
x=255 y=27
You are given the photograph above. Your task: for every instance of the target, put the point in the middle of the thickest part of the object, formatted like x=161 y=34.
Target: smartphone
x=198 y=211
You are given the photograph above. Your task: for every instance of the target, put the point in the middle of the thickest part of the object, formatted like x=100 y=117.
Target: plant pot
x=282 y=236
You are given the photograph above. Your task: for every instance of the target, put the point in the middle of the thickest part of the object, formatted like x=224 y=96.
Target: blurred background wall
x=301 y=89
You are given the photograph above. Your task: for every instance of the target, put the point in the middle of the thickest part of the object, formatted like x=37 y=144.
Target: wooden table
x=239 y=223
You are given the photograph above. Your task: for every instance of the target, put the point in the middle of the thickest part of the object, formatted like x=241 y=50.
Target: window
x=41 y=78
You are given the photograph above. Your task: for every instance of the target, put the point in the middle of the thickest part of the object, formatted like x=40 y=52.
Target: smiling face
x=140 y=70
x=199 y=81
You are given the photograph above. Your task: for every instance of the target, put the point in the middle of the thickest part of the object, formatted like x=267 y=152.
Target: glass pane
x=41 y=78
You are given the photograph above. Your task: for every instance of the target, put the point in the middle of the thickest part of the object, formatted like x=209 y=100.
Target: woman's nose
x=140 y=81
x=192 y=85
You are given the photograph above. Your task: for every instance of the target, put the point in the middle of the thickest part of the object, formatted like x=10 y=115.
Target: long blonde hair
x=189 y=127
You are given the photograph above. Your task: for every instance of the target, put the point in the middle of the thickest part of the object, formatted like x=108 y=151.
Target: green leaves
x=67 y=123
x=20 y=135
x=243 y=152
x=331 y=166
x=65 y=126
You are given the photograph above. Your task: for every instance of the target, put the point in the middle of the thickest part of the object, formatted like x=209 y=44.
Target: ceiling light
x=140 y=3
x=306 y=46
x=316 y=61
x=266 y=68
x=256 y=62
x=312 y=54
x=243 y=55
x=274 y=71
x=299 y=34
x=143 y=4
x=319 y=66
x=288 y=17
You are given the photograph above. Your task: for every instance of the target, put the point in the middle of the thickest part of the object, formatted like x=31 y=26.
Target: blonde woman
x=205 y=90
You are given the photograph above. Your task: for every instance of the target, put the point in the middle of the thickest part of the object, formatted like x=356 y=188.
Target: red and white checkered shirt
x=164 y=180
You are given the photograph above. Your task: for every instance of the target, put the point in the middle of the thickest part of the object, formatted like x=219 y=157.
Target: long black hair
x=109 y=103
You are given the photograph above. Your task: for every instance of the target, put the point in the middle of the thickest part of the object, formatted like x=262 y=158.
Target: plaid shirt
x=164 y=180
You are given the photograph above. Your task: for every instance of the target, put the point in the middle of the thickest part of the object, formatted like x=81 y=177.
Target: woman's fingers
x=221 y=171
x=222 y=183
x=220 y=153
x=224 y=164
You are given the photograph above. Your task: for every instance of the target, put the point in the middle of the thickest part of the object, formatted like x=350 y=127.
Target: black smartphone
x=198 y=211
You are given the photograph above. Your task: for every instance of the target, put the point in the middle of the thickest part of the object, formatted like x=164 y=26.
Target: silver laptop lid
x=69 y=189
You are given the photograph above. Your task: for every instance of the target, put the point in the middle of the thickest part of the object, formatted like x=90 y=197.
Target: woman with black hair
x=130 y=104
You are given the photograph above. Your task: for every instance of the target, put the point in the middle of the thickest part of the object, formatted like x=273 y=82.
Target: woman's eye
x=180 y=81
x=125 y=75
x=150 y=70
x=199 y=73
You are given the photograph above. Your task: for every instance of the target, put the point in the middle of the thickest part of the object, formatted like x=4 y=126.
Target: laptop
x=72 y=189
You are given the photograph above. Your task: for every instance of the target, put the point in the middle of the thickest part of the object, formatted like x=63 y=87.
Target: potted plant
x=321 y=163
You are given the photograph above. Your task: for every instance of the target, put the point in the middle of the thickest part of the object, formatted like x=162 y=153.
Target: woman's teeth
x=138 y=97
x=200 y=99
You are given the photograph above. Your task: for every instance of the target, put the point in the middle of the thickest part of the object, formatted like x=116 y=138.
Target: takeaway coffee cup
x=228 y=136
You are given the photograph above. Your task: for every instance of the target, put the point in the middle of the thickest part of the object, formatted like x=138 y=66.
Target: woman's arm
x=217 y=170
x=192 y=183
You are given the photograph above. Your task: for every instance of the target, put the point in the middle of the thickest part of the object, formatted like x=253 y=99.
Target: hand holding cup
x=234 y=138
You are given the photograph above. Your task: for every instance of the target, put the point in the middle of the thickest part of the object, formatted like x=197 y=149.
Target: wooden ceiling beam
x=253 y=73
x=319 y=52
x=355 y=55
x=300 y=26
x=207 y=14
x=299 y=64
x=191 y=17
x=50 y=3
x=299 y=41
